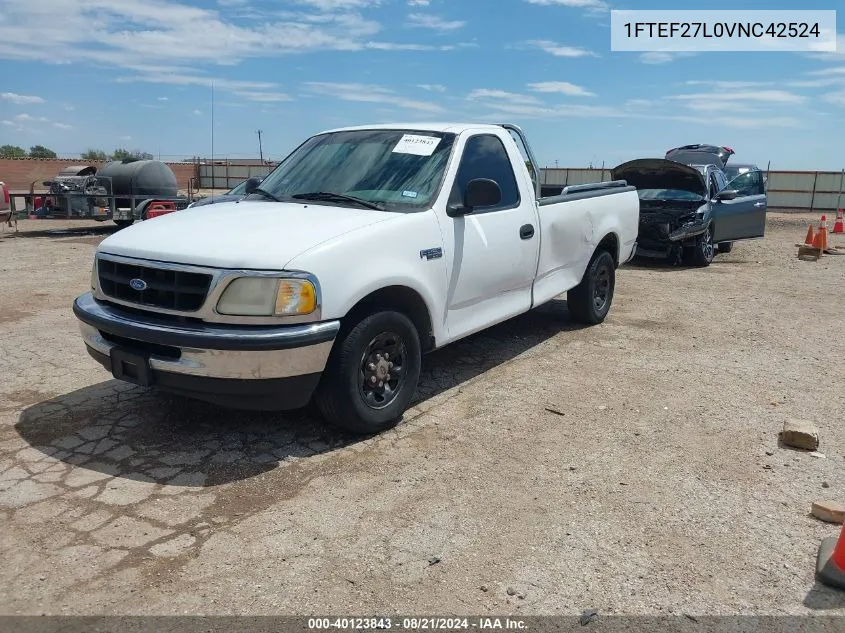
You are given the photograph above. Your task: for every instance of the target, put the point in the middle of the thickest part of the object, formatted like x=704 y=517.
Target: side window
x=485 y=157
x=721 y=181
x=748 y=184
x=714 y=186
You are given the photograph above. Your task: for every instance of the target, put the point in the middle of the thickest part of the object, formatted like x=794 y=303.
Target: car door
x=495 y=248
x=744 y=217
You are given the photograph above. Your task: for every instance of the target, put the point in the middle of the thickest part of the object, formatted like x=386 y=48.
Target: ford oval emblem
x=138 y=284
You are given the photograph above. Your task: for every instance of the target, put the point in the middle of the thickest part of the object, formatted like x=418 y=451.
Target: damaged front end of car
x=673 y=205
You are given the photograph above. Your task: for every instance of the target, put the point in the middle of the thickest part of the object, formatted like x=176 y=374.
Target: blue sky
x=76 y=74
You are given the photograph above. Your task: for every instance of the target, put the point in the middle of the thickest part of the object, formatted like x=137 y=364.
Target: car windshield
x=397 y=170
x=237 y=191
x=733 y=172
x=668 y=194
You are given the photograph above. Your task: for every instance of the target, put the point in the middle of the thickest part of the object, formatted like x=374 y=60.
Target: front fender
x=354 y=265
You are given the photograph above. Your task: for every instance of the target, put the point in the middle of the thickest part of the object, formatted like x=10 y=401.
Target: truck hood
x=251 y=235
x=659 y=173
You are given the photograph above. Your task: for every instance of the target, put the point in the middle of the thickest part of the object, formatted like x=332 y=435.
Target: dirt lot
x=658 y=488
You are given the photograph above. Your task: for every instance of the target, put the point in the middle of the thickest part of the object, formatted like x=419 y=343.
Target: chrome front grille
x=148 y=285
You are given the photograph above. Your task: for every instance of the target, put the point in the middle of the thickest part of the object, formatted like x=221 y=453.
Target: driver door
x=745 y=216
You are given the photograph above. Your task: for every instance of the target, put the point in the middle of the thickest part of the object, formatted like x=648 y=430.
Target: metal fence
x=787 y=190
x=227 y=175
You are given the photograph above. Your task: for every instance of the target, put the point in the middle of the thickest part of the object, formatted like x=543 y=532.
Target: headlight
x=268 y=296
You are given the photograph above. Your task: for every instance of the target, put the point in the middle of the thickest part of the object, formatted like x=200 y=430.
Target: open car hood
x=659 y=173
x=700 y=154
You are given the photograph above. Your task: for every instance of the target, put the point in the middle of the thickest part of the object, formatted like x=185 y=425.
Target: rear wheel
x=589 y=302
x=704 y=250
x=372 y=374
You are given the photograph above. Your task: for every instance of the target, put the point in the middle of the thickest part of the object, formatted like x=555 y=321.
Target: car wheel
x=704 y=250
x=372 y=374
x=122 y=224
x=726 y=247
x=589 y=301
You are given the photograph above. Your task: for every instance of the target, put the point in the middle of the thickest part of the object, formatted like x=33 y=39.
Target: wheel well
x=401 y=299
x=610 y=243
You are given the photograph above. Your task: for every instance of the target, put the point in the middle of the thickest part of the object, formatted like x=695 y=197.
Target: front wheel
x=589 y=302
x=372 y=374
x=704 y=250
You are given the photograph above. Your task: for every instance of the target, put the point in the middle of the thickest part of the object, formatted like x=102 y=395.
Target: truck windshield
x=397 y=170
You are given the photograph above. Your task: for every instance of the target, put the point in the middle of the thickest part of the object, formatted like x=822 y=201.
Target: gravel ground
x=658 y=486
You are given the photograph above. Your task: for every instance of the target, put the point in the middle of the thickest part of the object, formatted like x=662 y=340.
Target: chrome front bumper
x=208 y=351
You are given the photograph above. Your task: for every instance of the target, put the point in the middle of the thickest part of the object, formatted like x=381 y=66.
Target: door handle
x=526 y=231
x=759 y=204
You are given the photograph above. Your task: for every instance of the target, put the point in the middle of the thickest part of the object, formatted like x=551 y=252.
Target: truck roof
x=455 y=128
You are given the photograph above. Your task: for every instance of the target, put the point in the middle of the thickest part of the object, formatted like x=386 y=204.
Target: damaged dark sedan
x=687 y=212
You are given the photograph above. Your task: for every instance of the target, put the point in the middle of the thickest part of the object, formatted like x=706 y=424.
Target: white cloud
x=124 y=138
x=365 y=93
x=17 y=99
x=559 y=50
x=500 y=95
x=592 y=5
x=836 y=98
x=267 y=97
x=728 y=85
x=163 y=99
x=663 y=57
x=197 y=112
x=62 y=126
x=6 y=122
x=765 y=96
x=422 y=20
x=27 y=117
x=432 y=87
x=830 y=55
x=175 y=36
x=562 y=87
x=419 y=3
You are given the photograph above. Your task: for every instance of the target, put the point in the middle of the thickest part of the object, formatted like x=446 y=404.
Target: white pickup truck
x=364 y=249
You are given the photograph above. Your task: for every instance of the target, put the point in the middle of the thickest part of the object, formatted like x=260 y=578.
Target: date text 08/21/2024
x=415 y=623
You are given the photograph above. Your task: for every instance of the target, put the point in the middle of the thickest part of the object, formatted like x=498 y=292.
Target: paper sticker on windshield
x=415 y=144
x=409 y=194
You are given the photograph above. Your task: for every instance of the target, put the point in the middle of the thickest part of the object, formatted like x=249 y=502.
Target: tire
x=704 y=250
x=589 y=301
x=122 y=224
x=347 y=397
x=726 y=247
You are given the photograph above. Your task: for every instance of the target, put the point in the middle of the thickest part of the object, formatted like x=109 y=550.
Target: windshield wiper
x=266 y=194
x=330 y=196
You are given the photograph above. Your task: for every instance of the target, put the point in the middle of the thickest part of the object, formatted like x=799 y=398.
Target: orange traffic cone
x=811 y=236
x=830 y=561
x=839 y=225
x=820 y=240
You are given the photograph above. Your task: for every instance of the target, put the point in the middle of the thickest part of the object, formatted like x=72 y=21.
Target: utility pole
x=260 y=150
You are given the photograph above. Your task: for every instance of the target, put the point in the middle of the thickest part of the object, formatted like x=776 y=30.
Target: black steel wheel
x=383 y=369
x=589 y=302
x=372 y=373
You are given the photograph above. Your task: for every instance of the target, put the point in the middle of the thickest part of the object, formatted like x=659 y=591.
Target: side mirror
x=251 y=185
x=727 y=194
x=480 y=192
